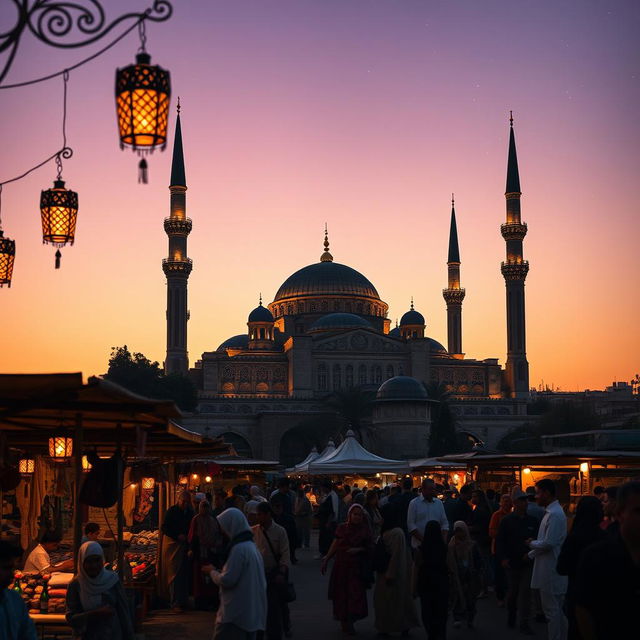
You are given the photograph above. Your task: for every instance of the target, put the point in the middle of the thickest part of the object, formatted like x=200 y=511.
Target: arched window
x=348 y=378
x=337 y=377
x=362 y=374
x=322 y=377
x=389 y=371
x=378 y=374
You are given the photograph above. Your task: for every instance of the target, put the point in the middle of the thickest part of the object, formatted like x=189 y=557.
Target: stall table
x=51 y=625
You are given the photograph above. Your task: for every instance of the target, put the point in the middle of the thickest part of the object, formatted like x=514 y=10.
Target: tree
x=442 y=438
x=354 y=406
x=135 y=372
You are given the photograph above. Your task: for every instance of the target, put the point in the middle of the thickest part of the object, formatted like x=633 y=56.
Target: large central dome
x=326 y=279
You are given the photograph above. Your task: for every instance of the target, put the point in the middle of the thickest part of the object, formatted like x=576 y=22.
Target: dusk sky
x=366 y=115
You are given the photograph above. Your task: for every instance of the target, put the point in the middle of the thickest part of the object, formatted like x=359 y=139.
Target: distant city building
x=327 y=329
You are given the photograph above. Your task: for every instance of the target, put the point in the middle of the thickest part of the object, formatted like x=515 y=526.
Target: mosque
x=327 y=330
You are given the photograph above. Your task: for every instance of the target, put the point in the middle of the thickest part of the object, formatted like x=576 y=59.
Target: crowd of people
x=427 y=559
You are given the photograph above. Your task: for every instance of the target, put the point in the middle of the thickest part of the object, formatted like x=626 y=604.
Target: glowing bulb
x=133 y=485
x=584 y=467
x=207 y=479
x=526 y=470
x=456 y=477
x=194 y=476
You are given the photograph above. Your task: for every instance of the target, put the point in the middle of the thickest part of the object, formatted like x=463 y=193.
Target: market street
x=311 y=617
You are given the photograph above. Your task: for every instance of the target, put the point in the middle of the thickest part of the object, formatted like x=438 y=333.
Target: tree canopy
x=134 y=371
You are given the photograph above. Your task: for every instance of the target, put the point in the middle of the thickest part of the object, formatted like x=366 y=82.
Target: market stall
x=71 y=439
x=575 y=472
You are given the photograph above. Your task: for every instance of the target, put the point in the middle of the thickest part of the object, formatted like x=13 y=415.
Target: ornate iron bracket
x=50 y=22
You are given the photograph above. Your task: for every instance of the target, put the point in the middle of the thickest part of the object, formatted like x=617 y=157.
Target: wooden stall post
x=120 y=534
x=78 y=446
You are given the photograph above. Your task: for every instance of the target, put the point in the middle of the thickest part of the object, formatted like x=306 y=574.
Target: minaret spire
x=177 y=266
x=454 y=294
x=515 y=269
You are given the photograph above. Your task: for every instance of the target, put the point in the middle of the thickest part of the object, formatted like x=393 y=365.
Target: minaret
x=177 y=266
x=453 y=294
x=515 y=270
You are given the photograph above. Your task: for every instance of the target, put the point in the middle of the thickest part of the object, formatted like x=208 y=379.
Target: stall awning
x=32 y=406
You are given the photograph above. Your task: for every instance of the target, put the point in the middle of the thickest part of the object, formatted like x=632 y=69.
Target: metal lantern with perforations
x=7 y=257
x=26 y=467
x=59 y=213
x=143 y=92
x=60 y=447
x=148 y=483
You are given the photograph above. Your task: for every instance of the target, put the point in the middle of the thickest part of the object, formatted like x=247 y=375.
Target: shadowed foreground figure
x=350 y=575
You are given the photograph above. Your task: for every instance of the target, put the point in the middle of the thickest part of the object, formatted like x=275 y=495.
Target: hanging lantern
x=7 y=256
x=148 y=483
x=143 y=92
x=27 y=466
x=59 y=212
x=183 y=480
x=60 y=447
x=86 y=465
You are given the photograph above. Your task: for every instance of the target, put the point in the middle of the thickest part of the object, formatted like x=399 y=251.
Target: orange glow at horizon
x=362 y=115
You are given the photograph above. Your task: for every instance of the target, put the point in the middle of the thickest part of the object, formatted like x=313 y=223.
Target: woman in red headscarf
x=351 y=572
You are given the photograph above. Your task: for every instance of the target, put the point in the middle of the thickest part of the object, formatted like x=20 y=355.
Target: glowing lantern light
x=86 y=465
x=584 y=467
x=7 y=257
x=60 y=447
x=183 y=480
x=195 y=476
x=26 y=466
x=148 y=483
x=207 y=479
x=143 y=92
x=526 y=470
x=59 y=213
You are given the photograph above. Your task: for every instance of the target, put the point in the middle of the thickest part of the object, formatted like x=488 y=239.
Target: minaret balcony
x=177 y=267
x=453 y=296
x=515 y=270
x=514 y=230
x=177 y=226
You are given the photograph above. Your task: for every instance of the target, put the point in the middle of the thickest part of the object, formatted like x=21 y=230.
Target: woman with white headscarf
x=243 y=588
x=96 y=605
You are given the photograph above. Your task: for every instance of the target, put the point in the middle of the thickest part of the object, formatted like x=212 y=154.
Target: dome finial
x=326 y=256
x=178 y=106
x=260 y=298
x=453 y=201
x=411 y=303
x=511 y=119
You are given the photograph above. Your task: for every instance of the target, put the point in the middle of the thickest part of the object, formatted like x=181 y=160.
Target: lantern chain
x=142 y=32
x=64 y=153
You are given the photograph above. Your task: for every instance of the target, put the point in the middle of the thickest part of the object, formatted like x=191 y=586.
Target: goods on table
x=143 y=540
x=141 y=555
x=39 y=595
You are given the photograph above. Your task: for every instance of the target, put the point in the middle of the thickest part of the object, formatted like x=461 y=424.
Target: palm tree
x=354 y=408
x=442 y=438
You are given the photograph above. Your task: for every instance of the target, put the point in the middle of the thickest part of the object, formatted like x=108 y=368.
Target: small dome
x=394 y=333
x=260 y=314
x=338 y=322
x=436 y=348
x=235 y=342
x=412 y=317
x=402 y=388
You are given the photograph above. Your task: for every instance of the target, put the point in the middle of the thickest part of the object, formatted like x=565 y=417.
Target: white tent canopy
x=352 y=457
x=313 y=455
x=303 y=467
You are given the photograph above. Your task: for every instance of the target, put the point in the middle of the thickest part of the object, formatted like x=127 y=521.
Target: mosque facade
x=327 y=330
